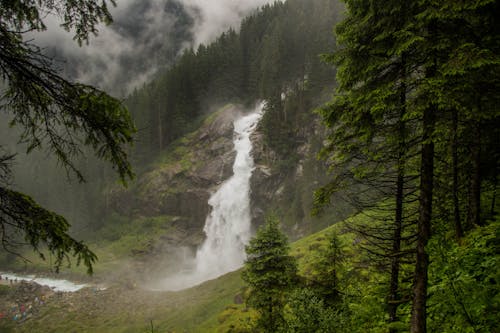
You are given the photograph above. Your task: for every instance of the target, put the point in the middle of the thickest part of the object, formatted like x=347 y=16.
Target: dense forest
x=275 y=54
x=415 y=121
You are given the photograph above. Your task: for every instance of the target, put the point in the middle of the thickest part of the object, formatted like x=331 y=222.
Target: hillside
x=214 y=306
x=218 y=305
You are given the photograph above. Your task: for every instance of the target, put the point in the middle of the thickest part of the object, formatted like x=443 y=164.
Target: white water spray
x=228 y=227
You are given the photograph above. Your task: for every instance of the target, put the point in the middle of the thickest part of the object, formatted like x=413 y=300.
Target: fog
x=212 y=17
x=146 y=35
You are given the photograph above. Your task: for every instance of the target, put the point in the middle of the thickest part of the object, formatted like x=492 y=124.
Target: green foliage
x=49 y=109
x=413 y=81
x=306 y=313
x=327 y=270
x=80 y=16
x=271 y=273
x=237 y=319
x=54 y=114
x=40 y=227
x=464 y=293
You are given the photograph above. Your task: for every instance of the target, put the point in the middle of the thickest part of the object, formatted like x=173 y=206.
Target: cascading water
x=228 y=226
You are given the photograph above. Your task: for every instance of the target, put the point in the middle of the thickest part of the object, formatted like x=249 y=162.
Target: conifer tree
x=270 y=273
x=327 y=270
x=441 y=59
x=374 y=140
x=54 y=114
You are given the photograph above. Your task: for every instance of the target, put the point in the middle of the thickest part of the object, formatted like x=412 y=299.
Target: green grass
x=210 y=307
x=119 y=240
x=120 y=311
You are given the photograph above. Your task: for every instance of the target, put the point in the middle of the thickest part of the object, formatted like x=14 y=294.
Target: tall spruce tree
x=459 y=56
x=374 y=137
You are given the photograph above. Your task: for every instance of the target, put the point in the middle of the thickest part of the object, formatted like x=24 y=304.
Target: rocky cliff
x=179 y=184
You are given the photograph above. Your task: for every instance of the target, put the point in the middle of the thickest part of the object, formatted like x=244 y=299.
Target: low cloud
x=214 y=17
x=146 y=36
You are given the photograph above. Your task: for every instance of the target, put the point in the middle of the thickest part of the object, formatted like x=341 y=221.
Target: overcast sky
x=127 y=54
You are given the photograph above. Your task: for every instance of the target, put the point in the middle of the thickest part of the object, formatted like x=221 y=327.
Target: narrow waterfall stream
x=228 y=226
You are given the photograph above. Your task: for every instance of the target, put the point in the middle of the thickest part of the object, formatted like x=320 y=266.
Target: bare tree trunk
x=418 y=313
x=494 y=196
x=474 y=211
x=396 y=248
x=398 y=218
x=456 y=205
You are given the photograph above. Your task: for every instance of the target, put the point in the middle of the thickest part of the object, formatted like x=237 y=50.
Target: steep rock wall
x=181 y=181
x=287 y=189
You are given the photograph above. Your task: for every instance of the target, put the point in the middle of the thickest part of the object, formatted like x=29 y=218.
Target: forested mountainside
x=184 y=148
x=276 y=57
x=276 y=53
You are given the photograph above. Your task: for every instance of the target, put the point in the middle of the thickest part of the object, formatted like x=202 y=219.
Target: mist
x=211 y=18
x=145 y=37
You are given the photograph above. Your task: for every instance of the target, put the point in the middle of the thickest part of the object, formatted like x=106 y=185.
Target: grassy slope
x=210 y=307
x=131 y=310
x=206 y=308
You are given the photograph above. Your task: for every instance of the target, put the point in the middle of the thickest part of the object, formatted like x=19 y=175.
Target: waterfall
x=228 y=226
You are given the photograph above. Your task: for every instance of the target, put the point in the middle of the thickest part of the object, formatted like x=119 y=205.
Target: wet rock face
x=182 y=184
x=215 y=170
x=280 y=190
x=191 y=204
x=264 y=182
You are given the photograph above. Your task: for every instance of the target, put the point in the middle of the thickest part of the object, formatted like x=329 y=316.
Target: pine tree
x=270 y=273
x=441 y=59
x=325 y=280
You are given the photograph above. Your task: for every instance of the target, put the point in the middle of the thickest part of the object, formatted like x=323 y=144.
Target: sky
x=145 y=36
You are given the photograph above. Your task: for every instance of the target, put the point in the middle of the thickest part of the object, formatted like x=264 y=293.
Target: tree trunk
x=418 y=313
x=396 y=248
x=160 y=131
x=454 y=152
x=494 y=195
x=474 y=212
x=398 y=218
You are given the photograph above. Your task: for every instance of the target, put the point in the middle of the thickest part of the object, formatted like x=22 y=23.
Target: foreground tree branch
x=54 y=114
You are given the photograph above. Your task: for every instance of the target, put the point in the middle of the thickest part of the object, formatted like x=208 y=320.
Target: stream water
x=228 y=226
x=54 y=284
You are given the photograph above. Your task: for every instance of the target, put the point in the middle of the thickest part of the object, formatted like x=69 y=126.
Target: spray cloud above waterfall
x=146 y=36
